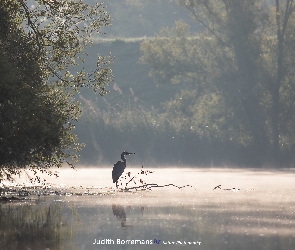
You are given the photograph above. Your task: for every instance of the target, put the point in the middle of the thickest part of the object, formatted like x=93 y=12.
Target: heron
x=119 y=167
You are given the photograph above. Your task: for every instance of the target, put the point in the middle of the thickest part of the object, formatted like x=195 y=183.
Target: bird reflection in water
x=119 y=213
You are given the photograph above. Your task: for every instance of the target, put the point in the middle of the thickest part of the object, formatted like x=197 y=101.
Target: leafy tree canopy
x=238 y=71
x=41 y=45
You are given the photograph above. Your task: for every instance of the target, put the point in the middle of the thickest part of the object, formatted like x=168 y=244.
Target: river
x=248 y=209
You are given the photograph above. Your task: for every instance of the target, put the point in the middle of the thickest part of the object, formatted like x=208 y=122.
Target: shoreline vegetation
x=139 y=113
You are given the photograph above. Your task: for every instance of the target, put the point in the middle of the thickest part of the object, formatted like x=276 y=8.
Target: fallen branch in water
x=232 y=189
x=153 y=185
x=134 y=179
x=144 y=186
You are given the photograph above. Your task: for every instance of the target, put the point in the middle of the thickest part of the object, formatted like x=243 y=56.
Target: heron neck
x=123 y=158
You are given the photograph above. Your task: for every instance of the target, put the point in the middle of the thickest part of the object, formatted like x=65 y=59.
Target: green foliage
x=38 y=108
x=177 y=56
x=239 y=76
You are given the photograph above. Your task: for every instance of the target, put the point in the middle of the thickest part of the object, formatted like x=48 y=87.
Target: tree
x=40 y=46
x=243 y=59
x=282 y=89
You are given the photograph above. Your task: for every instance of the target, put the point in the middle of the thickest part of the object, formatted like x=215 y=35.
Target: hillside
x=138 y=18
x=132 y=82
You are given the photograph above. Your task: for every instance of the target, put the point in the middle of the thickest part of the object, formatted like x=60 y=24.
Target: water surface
x=252 y=209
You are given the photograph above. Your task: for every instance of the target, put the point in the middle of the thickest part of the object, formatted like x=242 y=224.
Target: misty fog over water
x=252 y=209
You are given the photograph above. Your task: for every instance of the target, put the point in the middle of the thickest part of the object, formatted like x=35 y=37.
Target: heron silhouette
x=119 y=167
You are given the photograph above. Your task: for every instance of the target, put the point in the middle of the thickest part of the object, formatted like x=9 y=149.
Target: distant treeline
x=215 y=87
x=133 y=117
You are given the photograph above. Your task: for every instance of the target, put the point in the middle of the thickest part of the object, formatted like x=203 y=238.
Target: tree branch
x=193 y=12
x=153 y=185
x=32 y=25
x=288 y=12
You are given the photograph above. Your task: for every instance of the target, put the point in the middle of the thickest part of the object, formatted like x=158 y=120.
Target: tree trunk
x=276 y=87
